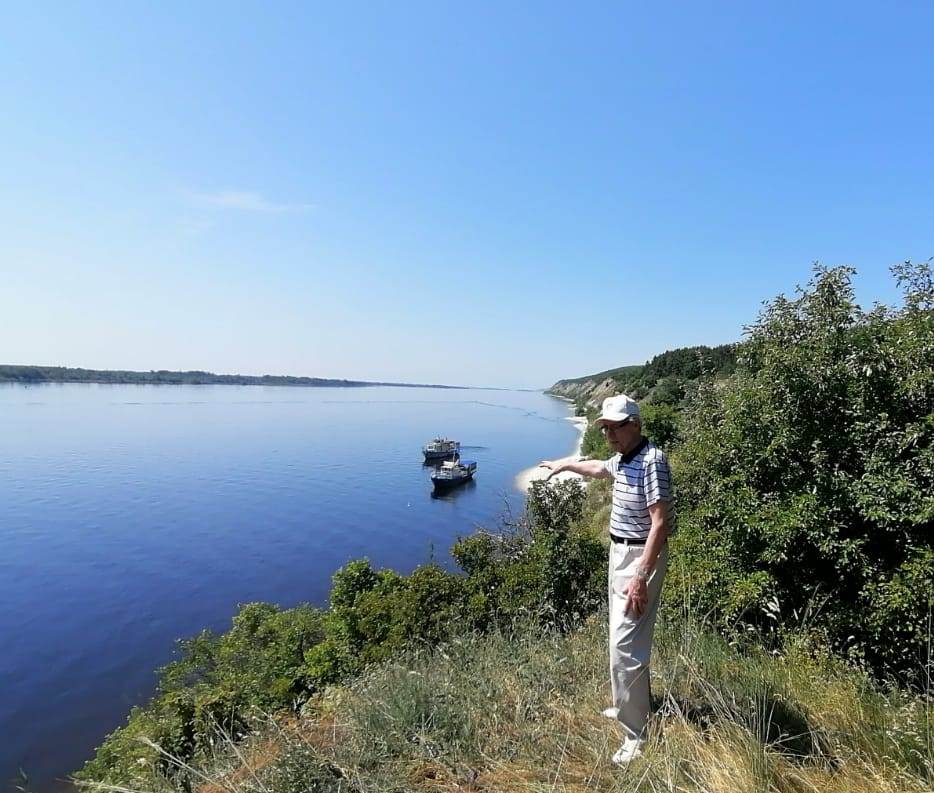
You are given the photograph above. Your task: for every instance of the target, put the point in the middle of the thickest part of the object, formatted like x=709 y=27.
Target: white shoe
x=629 y=751
x=610 y=713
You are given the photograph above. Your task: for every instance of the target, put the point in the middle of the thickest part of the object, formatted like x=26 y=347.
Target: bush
x=549 y=569
x=594 y=444
x=806 y=480
x=214 y=687
x=660 y=423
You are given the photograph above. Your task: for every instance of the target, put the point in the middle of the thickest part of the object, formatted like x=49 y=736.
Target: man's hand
x=637 y=596
x=553 y=466
x=591 y=468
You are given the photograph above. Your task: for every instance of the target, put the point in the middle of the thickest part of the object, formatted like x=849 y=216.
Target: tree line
x=60 y=374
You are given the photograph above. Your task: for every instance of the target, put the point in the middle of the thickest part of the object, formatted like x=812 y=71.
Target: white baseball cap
x=616 y=409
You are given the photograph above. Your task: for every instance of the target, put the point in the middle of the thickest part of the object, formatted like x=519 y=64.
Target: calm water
x=131 y=516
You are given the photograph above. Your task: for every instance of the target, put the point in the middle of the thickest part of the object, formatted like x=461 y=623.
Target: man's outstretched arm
x=595 y=469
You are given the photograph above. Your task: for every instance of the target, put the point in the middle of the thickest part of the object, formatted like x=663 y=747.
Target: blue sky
x=493 y=194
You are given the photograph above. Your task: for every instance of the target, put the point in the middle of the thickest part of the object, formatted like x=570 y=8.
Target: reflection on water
x=452 y=492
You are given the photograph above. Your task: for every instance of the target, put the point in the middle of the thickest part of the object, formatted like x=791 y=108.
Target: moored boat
x=453 y=473
x=440 y=448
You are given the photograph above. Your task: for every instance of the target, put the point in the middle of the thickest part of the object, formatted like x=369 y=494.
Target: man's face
x=622 y=435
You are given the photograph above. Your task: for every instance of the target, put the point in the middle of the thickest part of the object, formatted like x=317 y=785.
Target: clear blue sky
x=493 y=194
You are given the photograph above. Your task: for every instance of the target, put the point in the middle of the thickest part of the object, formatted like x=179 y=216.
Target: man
x=640 y=522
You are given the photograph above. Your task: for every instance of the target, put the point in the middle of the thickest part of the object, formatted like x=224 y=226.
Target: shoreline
x=524 y=479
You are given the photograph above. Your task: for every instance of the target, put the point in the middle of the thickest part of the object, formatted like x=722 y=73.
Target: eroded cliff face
x=667 y=373
x=589 y=392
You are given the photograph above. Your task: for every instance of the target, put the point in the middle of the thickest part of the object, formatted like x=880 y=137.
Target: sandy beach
x=525 y=478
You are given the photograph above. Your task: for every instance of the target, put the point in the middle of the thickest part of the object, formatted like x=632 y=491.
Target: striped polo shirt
x=640 y=478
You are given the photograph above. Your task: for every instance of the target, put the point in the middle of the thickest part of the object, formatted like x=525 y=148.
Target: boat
x=440 y=448
x=453 y=473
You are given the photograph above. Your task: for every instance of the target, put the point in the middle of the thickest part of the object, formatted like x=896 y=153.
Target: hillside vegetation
x=794 y=652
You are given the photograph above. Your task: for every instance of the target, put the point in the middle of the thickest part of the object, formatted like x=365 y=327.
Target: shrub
x=549 y=569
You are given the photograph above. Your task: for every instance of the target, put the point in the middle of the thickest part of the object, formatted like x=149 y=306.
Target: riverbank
x=525 y=478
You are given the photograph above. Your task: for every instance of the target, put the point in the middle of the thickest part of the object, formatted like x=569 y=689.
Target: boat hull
x=440 y=455
x=449 y=484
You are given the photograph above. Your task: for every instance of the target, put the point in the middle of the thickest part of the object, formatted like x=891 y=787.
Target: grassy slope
x=522 y=714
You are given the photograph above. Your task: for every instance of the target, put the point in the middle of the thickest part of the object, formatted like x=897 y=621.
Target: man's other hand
x=637 y=597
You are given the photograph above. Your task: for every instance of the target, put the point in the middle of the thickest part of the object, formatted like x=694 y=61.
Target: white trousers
x=631 y=637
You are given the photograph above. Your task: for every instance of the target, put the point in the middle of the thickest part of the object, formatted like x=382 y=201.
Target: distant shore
x=34 y=375
x=525 y=478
